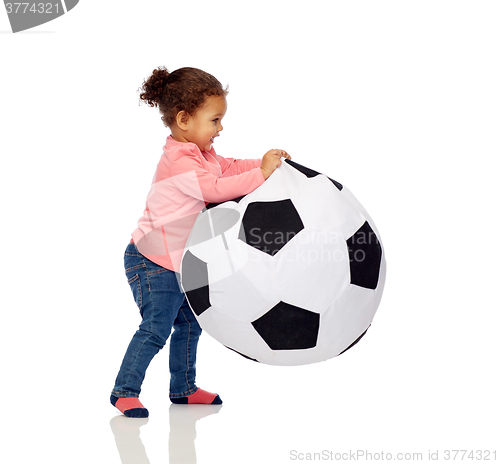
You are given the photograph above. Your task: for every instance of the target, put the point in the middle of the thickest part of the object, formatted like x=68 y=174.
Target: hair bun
x=153 y=87
x=185 y=89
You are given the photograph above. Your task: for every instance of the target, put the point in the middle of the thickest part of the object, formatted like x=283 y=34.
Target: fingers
x=281 y=153
x=272 y=161
x=284 y=154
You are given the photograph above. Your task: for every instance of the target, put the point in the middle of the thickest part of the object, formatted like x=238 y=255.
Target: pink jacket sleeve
x=231 y=166
x=193 y=178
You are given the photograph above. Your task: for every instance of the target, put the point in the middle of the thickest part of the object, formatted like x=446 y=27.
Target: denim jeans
x=162 y=306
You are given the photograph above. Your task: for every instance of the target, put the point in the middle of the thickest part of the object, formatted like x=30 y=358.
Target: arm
x=191 y=177
x=232 y=167
x=270 y=162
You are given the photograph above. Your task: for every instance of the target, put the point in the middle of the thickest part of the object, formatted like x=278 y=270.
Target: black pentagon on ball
x=288 y=327
x=194 y=280
x=365 y=255
x=213 y=205
x=241 y=354
x=311 y=173
x=354 y=342
x=270 y=225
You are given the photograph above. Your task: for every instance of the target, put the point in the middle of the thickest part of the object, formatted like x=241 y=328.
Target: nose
x=219 y=126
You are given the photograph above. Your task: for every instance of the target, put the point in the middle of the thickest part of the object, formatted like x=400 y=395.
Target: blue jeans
x=162 y=305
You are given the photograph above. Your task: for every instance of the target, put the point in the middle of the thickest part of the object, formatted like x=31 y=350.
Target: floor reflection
x=183 y=419
x=128 y=440
x=181 y=448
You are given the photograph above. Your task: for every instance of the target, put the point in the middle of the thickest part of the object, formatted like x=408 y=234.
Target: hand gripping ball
x=289 y=274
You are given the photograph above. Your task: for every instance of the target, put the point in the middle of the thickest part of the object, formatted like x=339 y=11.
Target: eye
x=215 y=120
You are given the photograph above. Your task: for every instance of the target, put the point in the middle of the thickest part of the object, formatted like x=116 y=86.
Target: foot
x=198 y=397
x=130 y=407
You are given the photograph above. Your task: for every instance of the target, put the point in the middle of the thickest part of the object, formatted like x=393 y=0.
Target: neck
x=177 y=134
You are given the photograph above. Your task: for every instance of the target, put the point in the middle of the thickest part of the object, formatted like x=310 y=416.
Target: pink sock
x=131 y=407
x=198 y=397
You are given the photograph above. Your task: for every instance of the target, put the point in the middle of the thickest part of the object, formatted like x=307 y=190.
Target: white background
x=398 y=100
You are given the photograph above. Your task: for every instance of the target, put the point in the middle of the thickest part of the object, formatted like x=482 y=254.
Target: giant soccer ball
x=290 y=274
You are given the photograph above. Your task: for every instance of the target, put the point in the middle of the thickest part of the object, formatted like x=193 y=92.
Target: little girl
x=189 y=175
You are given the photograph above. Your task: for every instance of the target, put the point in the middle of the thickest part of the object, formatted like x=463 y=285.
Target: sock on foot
x=130 y=407
x=198 y=397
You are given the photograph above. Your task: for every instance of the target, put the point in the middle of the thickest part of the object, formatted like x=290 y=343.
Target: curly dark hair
x=184 y=89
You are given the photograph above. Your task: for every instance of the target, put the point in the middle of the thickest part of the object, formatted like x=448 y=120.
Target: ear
x=181 y=119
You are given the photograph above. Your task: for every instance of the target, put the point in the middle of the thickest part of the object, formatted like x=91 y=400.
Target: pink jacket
x=186 y=179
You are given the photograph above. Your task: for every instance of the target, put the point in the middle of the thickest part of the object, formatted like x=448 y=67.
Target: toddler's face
x=206 y=123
